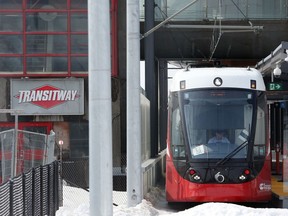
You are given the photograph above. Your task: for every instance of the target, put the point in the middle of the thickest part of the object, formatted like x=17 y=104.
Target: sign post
x=61 y=149
x=15 y=146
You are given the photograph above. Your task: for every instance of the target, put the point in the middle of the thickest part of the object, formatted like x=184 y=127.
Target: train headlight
x=242 y=177
x=196 y=177
x=193 y=175
x=245 y=175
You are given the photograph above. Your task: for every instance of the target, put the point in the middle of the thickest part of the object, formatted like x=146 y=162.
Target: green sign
x=275 y=86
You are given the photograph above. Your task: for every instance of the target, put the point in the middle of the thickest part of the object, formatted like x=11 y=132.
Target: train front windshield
x=218 y=124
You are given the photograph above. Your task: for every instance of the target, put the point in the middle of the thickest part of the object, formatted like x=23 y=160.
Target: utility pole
x=134 y=170
x=100 y=108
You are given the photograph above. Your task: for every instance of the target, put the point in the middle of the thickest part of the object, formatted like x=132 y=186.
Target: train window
x=261 y=121
x=208 y=111
x=179 y=151
x=178 y=147
x=259 y=151
x=260 y=138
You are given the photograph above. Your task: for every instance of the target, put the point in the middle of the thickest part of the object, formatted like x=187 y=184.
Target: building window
x=11 y=44
x=79 y=64
x=79 y=22
x=44 y=4
x=76 y=4
x=79 y=44
x=43 y=37
x=8 y=4
x=11 y=64
x=46 y=22
x=46 y=44
x=42 y=65
x=10 y=22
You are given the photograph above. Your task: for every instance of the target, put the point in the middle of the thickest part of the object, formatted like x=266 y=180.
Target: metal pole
x=100 y=108
x=163 y=87
x=151 y=77
x=15 y=149
x=134 y=171
x=15 y=145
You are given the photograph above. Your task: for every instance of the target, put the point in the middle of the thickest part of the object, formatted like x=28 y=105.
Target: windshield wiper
x=233 y=153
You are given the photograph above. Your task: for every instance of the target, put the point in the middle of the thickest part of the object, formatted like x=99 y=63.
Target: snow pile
x=228 y=209
x=154 y=195
x=76 y=203
x=144 y=208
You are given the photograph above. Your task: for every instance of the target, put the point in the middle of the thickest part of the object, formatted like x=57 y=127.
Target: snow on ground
x=76 y=203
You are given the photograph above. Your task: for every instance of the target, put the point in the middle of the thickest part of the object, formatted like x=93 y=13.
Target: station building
x=44 y=61
x=44 y=69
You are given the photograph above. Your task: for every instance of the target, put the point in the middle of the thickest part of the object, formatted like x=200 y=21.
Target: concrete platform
x=279 y=192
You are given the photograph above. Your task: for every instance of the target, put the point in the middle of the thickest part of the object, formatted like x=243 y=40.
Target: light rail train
x=217 y=139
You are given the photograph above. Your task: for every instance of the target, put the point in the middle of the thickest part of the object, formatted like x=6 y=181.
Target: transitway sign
x=48 y=96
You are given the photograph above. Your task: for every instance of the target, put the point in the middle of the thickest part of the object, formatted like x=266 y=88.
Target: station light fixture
x=272 y=63
x=277 y=71
x=286 y=59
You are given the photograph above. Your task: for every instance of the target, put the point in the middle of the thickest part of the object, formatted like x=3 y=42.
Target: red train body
x=231 y=166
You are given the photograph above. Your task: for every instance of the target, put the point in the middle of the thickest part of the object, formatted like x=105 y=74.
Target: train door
x=279 y=137
x=276 y=134
x=285 y=140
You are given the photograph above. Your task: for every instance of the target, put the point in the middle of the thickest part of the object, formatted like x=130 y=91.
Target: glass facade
x=224 y=9
x=47 y=37
x=40 y=38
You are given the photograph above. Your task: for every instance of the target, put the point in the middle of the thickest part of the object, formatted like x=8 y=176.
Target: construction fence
x=21 y=150
x=35 y=192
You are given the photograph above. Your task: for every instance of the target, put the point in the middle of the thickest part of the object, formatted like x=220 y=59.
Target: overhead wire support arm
x=167 y=20
x=220 y=31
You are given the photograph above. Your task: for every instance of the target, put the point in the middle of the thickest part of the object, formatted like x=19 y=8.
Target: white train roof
x=224 y=77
